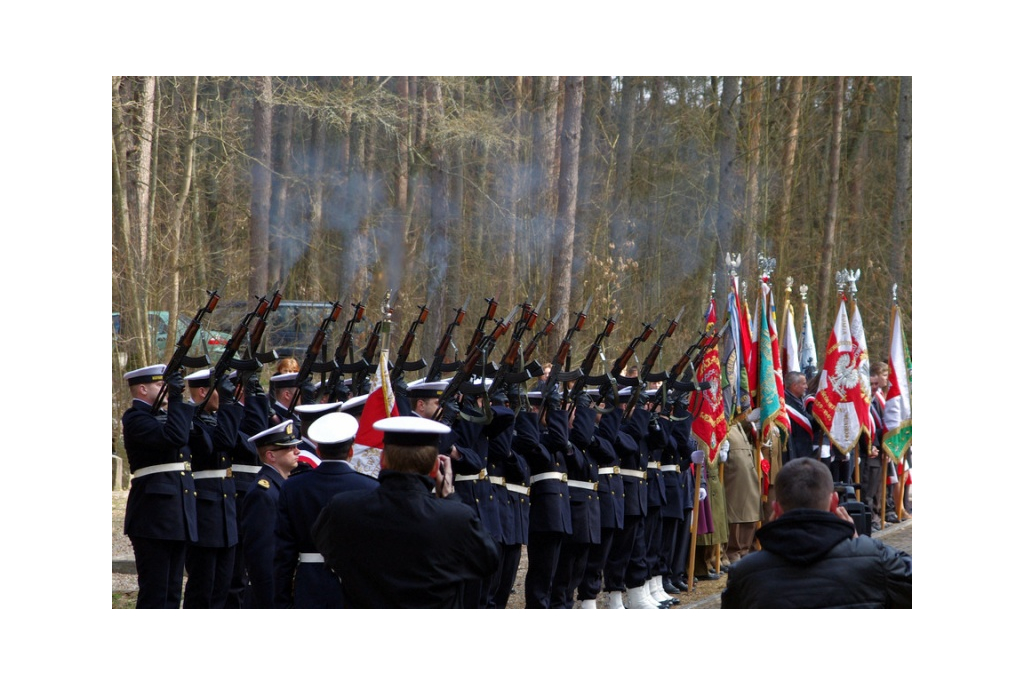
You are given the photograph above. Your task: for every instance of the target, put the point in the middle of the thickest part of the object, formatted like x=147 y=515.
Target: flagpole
x=695 y=518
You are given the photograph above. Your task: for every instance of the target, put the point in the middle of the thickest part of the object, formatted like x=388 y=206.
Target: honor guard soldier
x=307 y=414
x=402 y=545
x=210 y=560
x=160 y=516
x=279 y=453
x=283 y=388
x=550 y=515
x=301 y=580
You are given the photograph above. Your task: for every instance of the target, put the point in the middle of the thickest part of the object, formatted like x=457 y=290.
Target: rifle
x=580 y=386
x=437 y=366
x=510 y=361
x=680 y=367
x=367 y=365
x=180 y=357
x=401 y=365
x=341 y=353
x=645 y=370
x=611 y=380
x=473 y=359
x=227 y=357
x=555 y=375
x=693 y=384
x=255 y=338
x=478 y=333
x=312 y=352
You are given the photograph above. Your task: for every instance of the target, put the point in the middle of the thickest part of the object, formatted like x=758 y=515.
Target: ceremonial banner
x=380 y=404
x=897 y=436
x=808 y=352
x=860 y=354
x=735 y=384
x=836 y=402
x=709 y=422
x=769 y=373
x=790 y=349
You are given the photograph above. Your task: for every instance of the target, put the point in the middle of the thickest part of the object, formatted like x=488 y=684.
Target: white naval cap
x=312 y=412
x=283 y=434
x=411 y=430
x=354 y=405
x=284 y=380
x=333 y=428
x=421 y=389
x=147 y=374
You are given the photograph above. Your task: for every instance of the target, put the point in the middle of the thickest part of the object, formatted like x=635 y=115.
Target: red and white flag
x=380 y=404
x=860 y=344
x=898 y=424
x=839 y=396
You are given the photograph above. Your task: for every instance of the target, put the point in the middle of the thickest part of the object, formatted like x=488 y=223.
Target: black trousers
x=597 y=559
x=209 y=576
x=505 y=577
x=161 y=567
x=652 y=539
x=543 y=551
x=622 y=550
x=572 y=563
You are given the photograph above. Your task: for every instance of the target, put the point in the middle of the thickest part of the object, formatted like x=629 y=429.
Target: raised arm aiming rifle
x=646 y=369
x=580 y=386
x=558 y=362
x=685 y=364
x=252 y=349
x=180 y=357
x=227 y=358
x=474 y=358
x=341 y=353
x=437 y=366
x=312 y=352
x=611 y=380
x=512 y=360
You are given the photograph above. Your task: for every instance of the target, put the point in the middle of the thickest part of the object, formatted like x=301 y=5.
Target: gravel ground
x=706 y=594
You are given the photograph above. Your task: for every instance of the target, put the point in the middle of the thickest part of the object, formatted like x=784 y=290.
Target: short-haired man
x=811 y=556
x=301 y=580
x=279 y=452
x=408 y=543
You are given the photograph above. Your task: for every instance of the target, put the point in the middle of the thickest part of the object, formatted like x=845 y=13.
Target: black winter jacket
x=809 y=559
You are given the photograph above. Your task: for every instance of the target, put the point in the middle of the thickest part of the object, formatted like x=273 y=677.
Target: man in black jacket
x=401 y=545
x=811 y=556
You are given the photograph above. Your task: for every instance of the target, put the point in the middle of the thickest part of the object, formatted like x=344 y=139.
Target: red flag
x=837 y=402
x=709 y=423
x=380 y=404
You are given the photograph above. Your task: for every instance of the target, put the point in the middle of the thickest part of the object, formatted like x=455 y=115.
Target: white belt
x=476 y=476
x=161 y=468
x=654 y=464
x=642 y=475
x=608 y=471
x=549 y=475
x=497 y=480
x=211 y=473
x=521 y=489
x=583 y=485
x=245 y=468
x=310 y=558
x=671 y=467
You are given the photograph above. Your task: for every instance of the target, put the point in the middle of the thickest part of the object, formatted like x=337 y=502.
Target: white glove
x=826 y=452
x=723 y=455
x=725 y=446
x=703 y=494
x=754 y=415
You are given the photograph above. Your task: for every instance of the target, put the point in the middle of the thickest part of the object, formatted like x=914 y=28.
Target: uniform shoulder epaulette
x=263 y=483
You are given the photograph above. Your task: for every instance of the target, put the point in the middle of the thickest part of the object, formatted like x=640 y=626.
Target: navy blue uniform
x=301 y=581
x=505 y=467
x=210 y=560
x=258 y=518
x=160 y=516
x=550 y=515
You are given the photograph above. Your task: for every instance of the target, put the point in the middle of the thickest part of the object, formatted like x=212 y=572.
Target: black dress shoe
x=710 y=575
x=668 y=586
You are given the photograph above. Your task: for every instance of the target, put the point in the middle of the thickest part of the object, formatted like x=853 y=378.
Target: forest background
x=628 y=190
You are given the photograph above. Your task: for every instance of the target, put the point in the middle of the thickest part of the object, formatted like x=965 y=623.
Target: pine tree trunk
x=783 y=220
x=900 y=223
x=565 y=221
x=825 y=281
x=259 y=220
